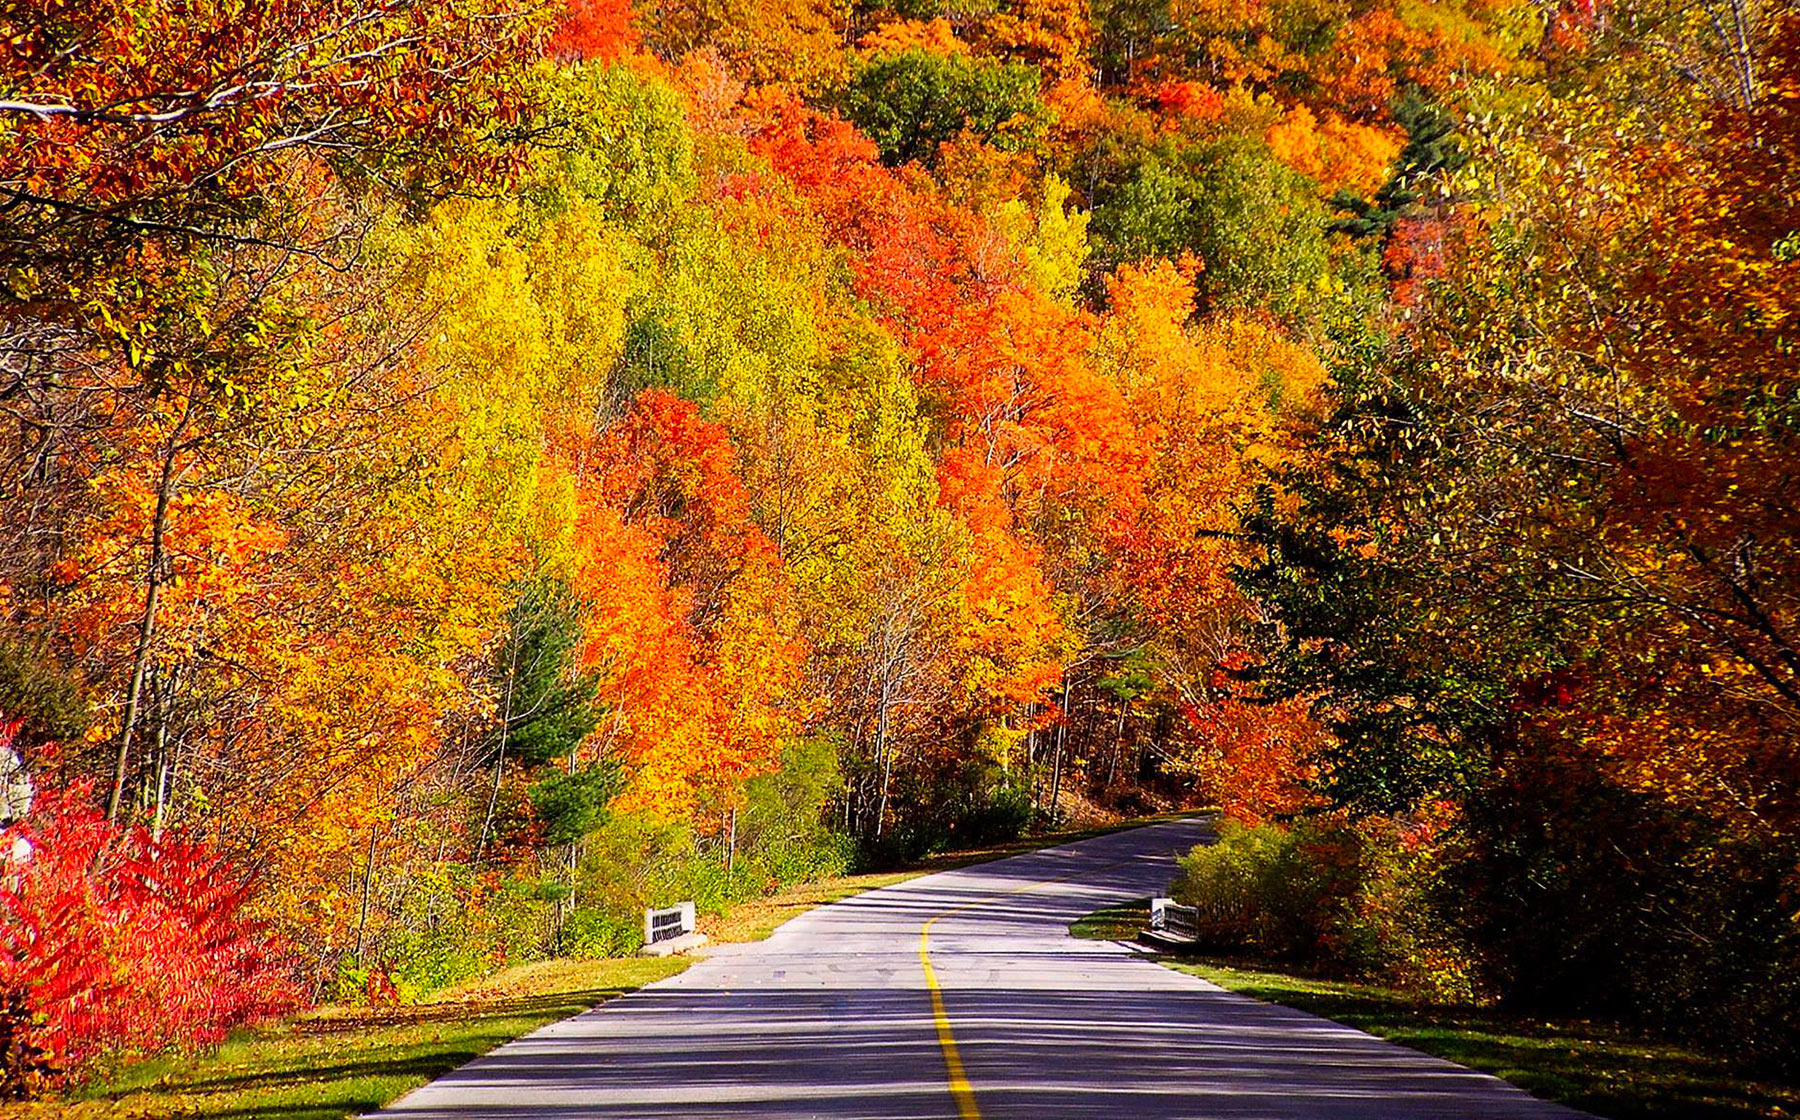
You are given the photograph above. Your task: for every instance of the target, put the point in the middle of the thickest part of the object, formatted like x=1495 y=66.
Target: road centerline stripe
x=960 y=1088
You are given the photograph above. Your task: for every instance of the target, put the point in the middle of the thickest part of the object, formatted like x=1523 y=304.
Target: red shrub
x=119 y=941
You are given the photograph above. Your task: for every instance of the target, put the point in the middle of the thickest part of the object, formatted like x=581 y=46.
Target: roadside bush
x=1396 y=922
x=1598 y=900
x=1367 y=898
x=449 y=923
x=591 y=934
x=633 y=863
x=430 y=959
x=118 y=941
x=1265 y=888
x=951 y=801
x=1003 y=818
x=782 y=834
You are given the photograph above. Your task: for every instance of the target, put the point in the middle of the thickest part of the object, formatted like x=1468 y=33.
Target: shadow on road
x=874 y=1054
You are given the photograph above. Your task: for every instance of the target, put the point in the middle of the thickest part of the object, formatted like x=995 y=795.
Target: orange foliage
x=1376 y=51
x=1054 y=35
x=1255 y=759
x=1340 y=154
x=934 y=35
x=690 y=618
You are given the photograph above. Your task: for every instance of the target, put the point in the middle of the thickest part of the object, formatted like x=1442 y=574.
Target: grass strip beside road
x=1596 y=1067
x=1113 y=923
x=339 y=1062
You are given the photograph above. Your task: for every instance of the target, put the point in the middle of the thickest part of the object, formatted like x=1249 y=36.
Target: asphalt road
x=854 y=1010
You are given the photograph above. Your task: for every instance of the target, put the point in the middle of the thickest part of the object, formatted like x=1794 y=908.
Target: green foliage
x=455 y=925
x=35 y=690
x=547 y=706
x=593 y=934
x=1598 y=900
x=782 y=834
x=1259 y=229
x=1257 y=225
x=569 y=805
x=1123 y=28
x=721 y=317
x=966 y=802
x=1151 y=215
x=1433 y=147
x=1370 y=900
x=910 y=102
x=615 y=137
x=631 y=862
x=1052 y=237
x=1358 y=623
x=1260 y=888
x=1401 y=923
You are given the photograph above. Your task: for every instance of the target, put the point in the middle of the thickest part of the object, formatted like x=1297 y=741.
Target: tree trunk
x=1112 y=770
x=1031 y=771
x=574 y=866
x=1056 y=766
x=730 y=843
x=885 y=758
x=165 y=767
x=362 y=915
x=487 y=820
x=140 y=658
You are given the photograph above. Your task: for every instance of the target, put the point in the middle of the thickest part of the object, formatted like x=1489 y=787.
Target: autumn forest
x=470 y=471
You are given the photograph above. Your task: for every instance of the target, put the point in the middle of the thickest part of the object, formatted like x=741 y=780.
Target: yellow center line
x=960 y=1089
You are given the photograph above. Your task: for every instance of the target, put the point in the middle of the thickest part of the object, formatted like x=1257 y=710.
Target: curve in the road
x=961 y=995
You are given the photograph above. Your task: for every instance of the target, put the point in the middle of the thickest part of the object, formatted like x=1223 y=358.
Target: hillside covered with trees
x=471 y=470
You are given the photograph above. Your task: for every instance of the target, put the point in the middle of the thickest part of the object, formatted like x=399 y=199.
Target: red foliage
x=1415 y=254
x=594 y=30
x=119 y=940
x=1571 y=26
x=1194 y=100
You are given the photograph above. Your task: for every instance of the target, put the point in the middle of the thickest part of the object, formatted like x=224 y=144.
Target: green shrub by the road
x=1368 y=899
x=593 y=934
x=948 y=803
x=1264 y=887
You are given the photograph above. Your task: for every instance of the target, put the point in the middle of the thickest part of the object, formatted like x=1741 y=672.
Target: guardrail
x=667 y=925
x=1174 y=921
